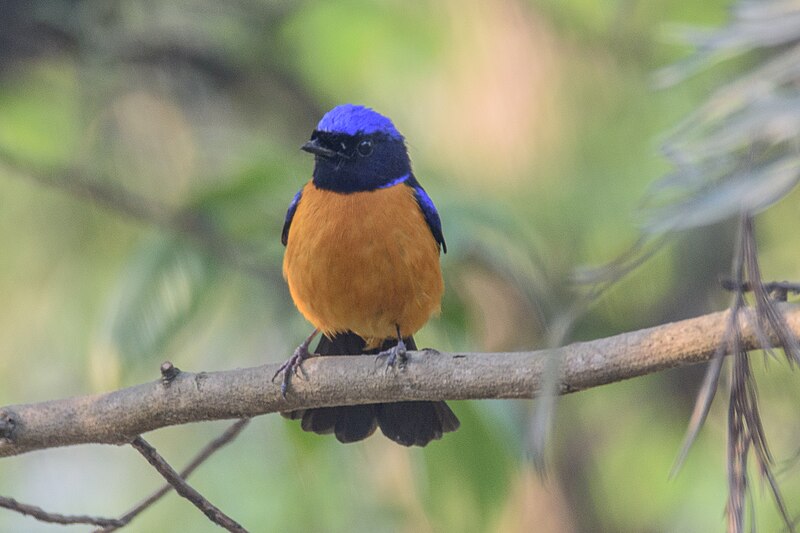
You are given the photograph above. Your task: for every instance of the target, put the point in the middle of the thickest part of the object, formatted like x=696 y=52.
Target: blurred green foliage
x=149 y=149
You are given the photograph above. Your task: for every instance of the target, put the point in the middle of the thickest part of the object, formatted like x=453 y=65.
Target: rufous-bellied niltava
x=362 y=262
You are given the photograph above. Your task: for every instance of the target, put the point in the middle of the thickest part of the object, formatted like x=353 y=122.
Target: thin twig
x=229 y=435
x=183 y=488
x=778 y=289
x=55 y=518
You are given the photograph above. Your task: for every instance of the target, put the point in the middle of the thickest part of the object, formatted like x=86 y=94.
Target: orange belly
x=364 y=262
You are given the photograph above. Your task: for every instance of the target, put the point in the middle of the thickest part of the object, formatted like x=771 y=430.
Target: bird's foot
x=395 y=356
x=293 y=365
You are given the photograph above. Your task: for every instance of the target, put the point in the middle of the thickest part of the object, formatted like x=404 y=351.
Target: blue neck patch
x=396 y=181
x=355 y=119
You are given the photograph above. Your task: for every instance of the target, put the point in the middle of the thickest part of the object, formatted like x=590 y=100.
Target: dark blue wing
x=290 y=216
x=429 y=210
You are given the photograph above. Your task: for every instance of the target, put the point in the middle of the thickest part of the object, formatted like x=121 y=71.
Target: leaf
x=158 y=292
x=747 y=191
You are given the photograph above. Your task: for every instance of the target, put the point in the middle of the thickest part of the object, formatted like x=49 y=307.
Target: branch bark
x=180 y=485
x=56 y=518
x=228 y=436
x=119 y=417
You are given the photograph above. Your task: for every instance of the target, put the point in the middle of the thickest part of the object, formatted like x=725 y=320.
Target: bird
x=363 y=240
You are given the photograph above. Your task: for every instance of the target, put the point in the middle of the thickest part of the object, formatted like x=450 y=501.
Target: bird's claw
x=395 y=356
x=292 y=366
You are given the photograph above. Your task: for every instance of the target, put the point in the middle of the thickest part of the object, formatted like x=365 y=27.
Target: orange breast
x=363 y=262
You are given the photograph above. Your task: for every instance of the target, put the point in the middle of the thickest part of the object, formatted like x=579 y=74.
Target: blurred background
x=148 y=152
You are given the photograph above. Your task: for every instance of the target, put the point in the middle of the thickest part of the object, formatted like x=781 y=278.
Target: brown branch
x=231 y=433
x=118 y=417
x=54 y=518
x=183 y=488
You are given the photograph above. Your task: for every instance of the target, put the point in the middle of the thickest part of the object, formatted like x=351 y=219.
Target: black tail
x=406 y=423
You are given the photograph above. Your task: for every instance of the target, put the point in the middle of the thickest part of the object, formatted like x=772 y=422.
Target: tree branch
x=229 y=435
x=184 y=489
x=119 y=417
x=56 y=518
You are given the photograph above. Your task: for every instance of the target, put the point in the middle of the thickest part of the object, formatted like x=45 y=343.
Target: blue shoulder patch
x=290 y=216
x=429 y=211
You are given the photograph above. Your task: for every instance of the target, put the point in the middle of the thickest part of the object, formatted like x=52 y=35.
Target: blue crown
x=356 y=119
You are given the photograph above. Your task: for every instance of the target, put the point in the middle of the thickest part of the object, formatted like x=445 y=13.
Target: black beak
x=314 y=147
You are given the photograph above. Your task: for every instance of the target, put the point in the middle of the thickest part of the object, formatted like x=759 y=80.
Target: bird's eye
x=365 y=147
